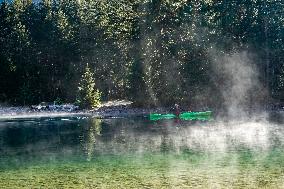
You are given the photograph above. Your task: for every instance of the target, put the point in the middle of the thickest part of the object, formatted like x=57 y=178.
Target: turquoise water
x=85 y=152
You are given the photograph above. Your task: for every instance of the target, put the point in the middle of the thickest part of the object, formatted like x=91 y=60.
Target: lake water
x=85 y=152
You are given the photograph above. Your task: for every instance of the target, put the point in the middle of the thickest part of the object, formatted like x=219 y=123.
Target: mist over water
x=120 y=136
x=173 y=154
x=237 y=77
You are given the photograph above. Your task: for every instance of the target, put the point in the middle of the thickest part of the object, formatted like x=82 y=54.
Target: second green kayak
x=203 y=116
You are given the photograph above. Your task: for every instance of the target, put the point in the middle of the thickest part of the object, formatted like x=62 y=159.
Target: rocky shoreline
x=119 y=108
x=110 y=109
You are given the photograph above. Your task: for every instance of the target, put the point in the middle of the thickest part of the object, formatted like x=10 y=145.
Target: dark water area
x=86 y=152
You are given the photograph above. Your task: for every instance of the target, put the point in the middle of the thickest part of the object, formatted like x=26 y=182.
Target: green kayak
x=203 y=116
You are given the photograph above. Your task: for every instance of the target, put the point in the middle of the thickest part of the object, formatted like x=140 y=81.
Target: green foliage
x=26 y=94
x=279 y=82
x=152 y=52
x=281 y=79
x=88 y=95
x=58 y=101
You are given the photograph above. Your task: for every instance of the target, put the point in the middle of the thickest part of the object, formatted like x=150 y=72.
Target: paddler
x=177 y=110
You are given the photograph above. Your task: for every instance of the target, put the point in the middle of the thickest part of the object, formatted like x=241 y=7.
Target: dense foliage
x=154 y=52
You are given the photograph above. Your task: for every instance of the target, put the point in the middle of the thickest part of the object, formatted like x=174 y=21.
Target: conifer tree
x=89 y=96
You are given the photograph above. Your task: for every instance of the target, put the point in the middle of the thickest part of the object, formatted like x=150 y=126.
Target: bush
x=88 y=95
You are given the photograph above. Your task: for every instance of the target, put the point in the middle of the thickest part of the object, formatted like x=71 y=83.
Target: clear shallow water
x=84 y=152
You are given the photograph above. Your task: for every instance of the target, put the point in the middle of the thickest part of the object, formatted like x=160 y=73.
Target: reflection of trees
x=166 y=141
x=93 y=129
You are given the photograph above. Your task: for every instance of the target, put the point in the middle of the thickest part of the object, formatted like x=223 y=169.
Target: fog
x=237 y=77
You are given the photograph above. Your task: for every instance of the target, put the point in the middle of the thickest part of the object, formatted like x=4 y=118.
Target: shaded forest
x=153 y=52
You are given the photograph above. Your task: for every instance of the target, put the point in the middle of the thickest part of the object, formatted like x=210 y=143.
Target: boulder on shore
x=43 y=106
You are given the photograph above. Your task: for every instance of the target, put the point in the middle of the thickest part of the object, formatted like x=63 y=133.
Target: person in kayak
x=177 y=110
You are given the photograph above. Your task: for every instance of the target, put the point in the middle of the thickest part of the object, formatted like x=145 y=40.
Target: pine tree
x=89 y=96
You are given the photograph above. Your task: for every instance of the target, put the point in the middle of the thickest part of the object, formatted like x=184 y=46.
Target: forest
x=152 y=52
